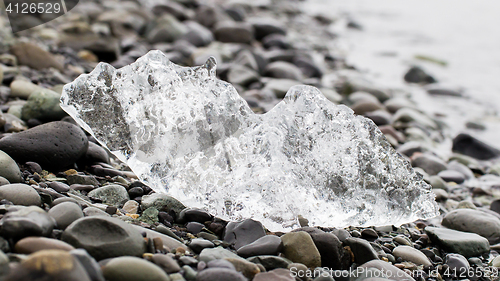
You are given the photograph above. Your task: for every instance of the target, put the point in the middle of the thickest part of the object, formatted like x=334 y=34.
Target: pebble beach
x=69 y=210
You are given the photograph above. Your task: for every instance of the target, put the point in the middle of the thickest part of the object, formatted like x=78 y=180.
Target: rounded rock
x=267 y=245
x=244 y=232
x=474 y=221
x=299 y=247
x=96 y=153
x=20 y=194
x=363 y=251
x=209 y=254
x=133 y=269
x=65 y=214
x=104 y=237
x=167 y=263
x=22 y=89
x=53 y=145
x=9 y=168
x=31 y=245
x=112 y=194
x=408 y=253
x=43 y=105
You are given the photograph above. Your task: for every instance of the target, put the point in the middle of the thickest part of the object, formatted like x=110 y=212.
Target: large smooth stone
x=20 y=194
x=267 y=245
x=104 y=237
x=363 y=251
x=474 y=221
x=299 y=247
x=330 y=248
x=168 y=241
x=133 y=269
x=27 y=221
x=244 y=232
x=53 y=145
x=9 y=168
x=162 y=202
x=470 y=146
x=453 y=241
x=54 y=265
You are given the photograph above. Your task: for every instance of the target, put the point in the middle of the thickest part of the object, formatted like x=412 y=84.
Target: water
x=462 y=33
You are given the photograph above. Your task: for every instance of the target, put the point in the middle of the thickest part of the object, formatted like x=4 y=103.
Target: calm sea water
x=464 y=34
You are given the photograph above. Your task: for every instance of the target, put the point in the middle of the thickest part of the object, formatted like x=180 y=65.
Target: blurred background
x=263 y=47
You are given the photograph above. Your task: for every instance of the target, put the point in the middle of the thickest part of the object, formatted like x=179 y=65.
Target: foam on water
x=460 y=32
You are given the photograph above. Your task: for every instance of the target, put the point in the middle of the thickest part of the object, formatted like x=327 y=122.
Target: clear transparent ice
x=188 y=134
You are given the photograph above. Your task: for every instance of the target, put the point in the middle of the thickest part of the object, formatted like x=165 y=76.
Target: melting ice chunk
x=186 y=133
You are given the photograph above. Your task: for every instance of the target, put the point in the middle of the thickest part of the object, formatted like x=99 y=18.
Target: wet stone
x=329 y=246
x=266 y=245
x=104 y=237
x=243 y=233
x=299 y=247
x=194 y=215
x=89 y=264
x=199 y=244
x=363 y=251
x=59 y=186
x=194 y=227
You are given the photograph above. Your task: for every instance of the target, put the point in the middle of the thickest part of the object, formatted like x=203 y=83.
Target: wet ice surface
x=186 y=133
